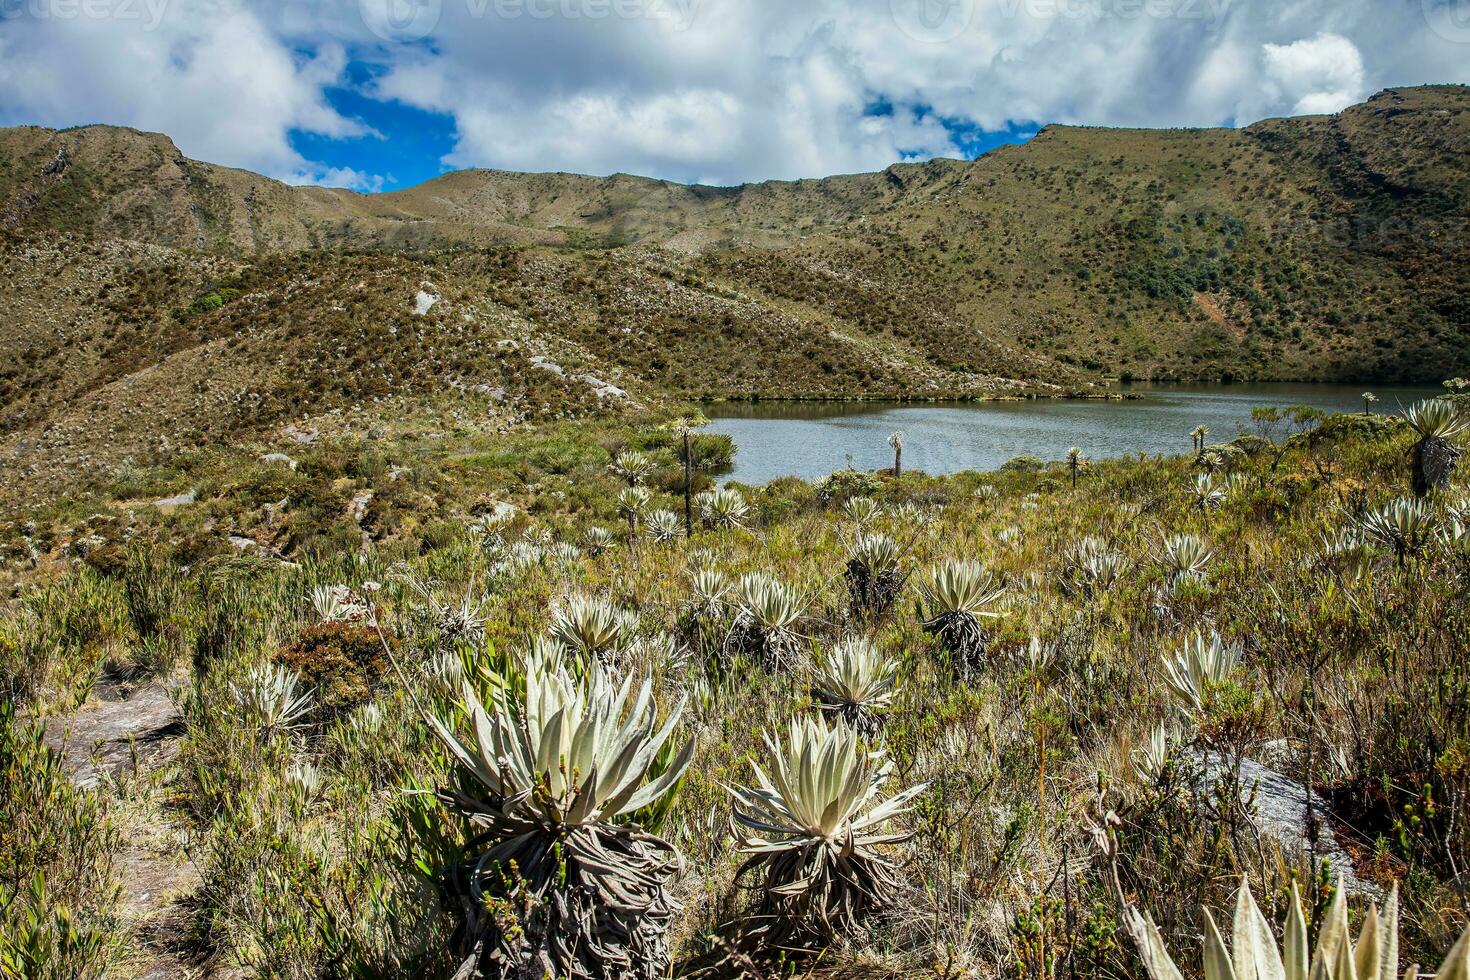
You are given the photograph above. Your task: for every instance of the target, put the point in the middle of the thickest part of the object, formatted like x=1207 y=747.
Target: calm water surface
x=811 y=439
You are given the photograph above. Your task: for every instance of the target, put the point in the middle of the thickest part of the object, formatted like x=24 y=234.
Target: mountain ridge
x=158 y=301
x=460 y=191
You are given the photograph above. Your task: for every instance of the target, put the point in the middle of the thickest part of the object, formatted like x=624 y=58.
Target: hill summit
x=157 y=301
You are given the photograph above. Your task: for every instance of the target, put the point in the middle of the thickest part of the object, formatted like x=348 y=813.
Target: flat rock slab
x=105 y=736
x=188 y=497
x=1281 y=814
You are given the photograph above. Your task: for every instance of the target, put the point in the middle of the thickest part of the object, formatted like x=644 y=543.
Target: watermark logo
x=1450 y=19
x=401 y=21
x=932 y=21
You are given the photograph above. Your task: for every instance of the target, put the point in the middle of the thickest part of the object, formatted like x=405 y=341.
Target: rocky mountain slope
x=157 y=302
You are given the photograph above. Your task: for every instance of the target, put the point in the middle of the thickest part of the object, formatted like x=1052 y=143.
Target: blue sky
x=406 y=145
x=381 y=94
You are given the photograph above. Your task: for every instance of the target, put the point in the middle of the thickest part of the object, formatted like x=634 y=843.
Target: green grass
x=316 y=860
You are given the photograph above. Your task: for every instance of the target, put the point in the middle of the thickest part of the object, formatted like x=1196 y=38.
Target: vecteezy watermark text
x=414 y=20
x=1209 y=11
x=148 y=13
x=944 y=20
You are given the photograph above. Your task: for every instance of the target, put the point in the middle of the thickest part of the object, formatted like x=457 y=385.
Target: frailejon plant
x=517 y=559
x=1207 y=494
x=1076 y=462
x=873 y=577
x=599 y=540
x=444 y=670
x=723 y=508
x=1405 y=527
x=862 y=510
x=338 y=604
x=1197 y=437
x=590 y=626
x=659 y=651
x=1201 y=662
x=1343 y=551
x=1458 y=513
x=960 y=597
x=1438 y=422
x=705 y=608
x=709 y=591
x=453 y=621
x=764 y=628
x=1253 y=953
x=1152 y=757
x=272 y=699
x=632 y=466
x=305 y=783
x=814 y=829
x=632 y=502
x=1092 y=566
x=559 y=882
x=909 y=514
x=540 y=654
x=662 y=526
x=1185 y=558
x=855 y=682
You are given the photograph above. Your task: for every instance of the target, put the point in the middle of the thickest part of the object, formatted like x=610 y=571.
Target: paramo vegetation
x=529 y=709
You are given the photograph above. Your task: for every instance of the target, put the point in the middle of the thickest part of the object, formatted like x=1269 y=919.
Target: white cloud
x=1323 y=73
x=212 y=75
x=353 y=180
x=721 y=90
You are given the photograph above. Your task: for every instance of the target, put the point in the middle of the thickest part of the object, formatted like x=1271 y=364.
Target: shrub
x=1250 y=443
x=343 y=663
x=1024 y=463
x=839 y=487
x=57 y=850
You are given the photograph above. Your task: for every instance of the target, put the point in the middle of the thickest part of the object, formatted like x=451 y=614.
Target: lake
x=811 y=439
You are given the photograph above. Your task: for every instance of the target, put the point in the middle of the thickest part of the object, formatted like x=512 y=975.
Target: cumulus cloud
x=348 y=177
x=712 y=90
x=216 y=77
x=1324 y=73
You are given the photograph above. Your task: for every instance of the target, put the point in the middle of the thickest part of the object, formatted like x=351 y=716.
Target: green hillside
x=158 y=301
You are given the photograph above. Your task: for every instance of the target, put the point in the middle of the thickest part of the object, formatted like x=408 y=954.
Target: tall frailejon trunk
x=688 y=488
x=1434 y=462
x=897 y=461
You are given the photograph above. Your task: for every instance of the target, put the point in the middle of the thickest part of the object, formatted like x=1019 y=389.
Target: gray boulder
x=1280 y=814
